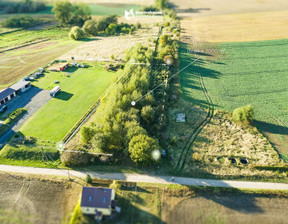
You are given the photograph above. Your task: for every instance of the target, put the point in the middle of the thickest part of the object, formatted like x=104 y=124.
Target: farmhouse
x=98 y=201
x=58 y=67
x=12 y=91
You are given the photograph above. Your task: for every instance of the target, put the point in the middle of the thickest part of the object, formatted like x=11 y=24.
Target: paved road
x=33 y=99
x=147 y=178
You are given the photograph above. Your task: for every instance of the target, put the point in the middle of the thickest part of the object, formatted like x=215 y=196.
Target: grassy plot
x=249 y=73
x=80 y=90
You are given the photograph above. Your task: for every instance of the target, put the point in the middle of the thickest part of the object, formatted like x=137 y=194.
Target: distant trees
x=22 y=7
x=20 y=22
x=76 y=14
x=107 y=25
x=243 y=114
x=76 y=33
x=161 y=4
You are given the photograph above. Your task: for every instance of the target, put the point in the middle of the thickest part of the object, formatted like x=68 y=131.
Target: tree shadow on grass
x=64 y=96
x=270 y=128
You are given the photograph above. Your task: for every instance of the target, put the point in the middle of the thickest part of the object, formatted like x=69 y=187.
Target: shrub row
x=14 y=116
x=23 y=153
x=21 y=22
x=22 y=7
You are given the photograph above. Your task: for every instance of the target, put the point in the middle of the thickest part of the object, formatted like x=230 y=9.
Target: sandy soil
x=102 y=48
x=243 y=208
x=36 y=200
x=238 y=27
x=199 y=8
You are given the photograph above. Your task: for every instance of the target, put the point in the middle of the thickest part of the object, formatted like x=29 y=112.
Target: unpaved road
x=147 y=178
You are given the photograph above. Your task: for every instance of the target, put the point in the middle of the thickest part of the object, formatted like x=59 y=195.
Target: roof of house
x=6 y=92
x=57 y=66
x=19 y=85
x=96 y=197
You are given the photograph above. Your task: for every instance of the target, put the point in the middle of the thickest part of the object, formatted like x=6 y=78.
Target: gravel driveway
x=32 y=100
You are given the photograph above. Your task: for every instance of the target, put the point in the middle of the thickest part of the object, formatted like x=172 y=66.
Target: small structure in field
x=58 y=67
x=98 y=201
x=9 y=93
x=180 y=117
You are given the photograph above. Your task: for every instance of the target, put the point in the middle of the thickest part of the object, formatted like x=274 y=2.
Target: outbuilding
x=9 y=93
x=58 y=67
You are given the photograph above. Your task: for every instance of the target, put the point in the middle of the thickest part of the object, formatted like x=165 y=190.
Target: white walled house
x=98 y=201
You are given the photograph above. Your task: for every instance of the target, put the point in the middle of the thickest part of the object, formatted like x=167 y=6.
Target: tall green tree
x=141 y=148
x=63 y=11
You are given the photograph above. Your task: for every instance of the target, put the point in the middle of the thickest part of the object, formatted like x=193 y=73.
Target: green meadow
x=79 y=90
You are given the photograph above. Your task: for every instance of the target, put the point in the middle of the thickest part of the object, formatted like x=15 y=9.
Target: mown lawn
x=243 y=73
x=80 y=90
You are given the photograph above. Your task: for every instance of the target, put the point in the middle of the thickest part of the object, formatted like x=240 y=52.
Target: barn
x=58 y=67
x=9 y=93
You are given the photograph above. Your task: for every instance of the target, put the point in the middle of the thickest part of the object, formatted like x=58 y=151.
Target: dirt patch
x=235 y=144
x=36 y=200
x=102 y=48
x=238 y=27
x=245 y=208
x=199 y=8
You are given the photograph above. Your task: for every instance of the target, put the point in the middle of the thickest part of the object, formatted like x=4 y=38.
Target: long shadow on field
x=190 y=76
x=64 y=96
x=238 y=201
x=271 y=128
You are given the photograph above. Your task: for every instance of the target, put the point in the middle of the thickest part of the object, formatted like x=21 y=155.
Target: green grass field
x=79 y=92
x=245 y=73
x=96 y=9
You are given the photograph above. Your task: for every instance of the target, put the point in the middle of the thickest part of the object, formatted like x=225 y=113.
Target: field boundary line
x=183 y=159
x=25 y=45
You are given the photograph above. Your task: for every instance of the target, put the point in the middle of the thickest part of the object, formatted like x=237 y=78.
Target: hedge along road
x=147 y=178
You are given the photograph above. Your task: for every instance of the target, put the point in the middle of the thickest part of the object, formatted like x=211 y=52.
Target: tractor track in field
x=184 y=156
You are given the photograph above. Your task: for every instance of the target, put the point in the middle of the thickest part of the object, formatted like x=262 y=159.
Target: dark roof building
x=98 y=201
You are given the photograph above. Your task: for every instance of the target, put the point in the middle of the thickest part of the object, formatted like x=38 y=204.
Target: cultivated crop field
x=25 y=199
x=80 y=89
x=248 y=73
x=43 y=46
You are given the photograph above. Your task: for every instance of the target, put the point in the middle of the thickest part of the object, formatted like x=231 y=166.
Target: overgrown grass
x=80 y=90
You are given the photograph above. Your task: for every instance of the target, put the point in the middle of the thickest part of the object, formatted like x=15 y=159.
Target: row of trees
x=22 y=7
x=132 y=130
x=73 y=14
x=20 y=22
x=105 y=25
x=118 y=127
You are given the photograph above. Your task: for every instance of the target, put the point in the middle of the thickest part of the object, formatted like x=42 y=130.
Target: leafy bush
x=243 y=114
x=20 y=22
x=75 y=158
x=90 y=27
x=88 y=179
x=138 y=25
x=161 y=4
x=86 y=134
x=15 y=115
x=111 y=29
x=141 y=148
x=76 y=215
x=76 y=14
x=76 y=33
